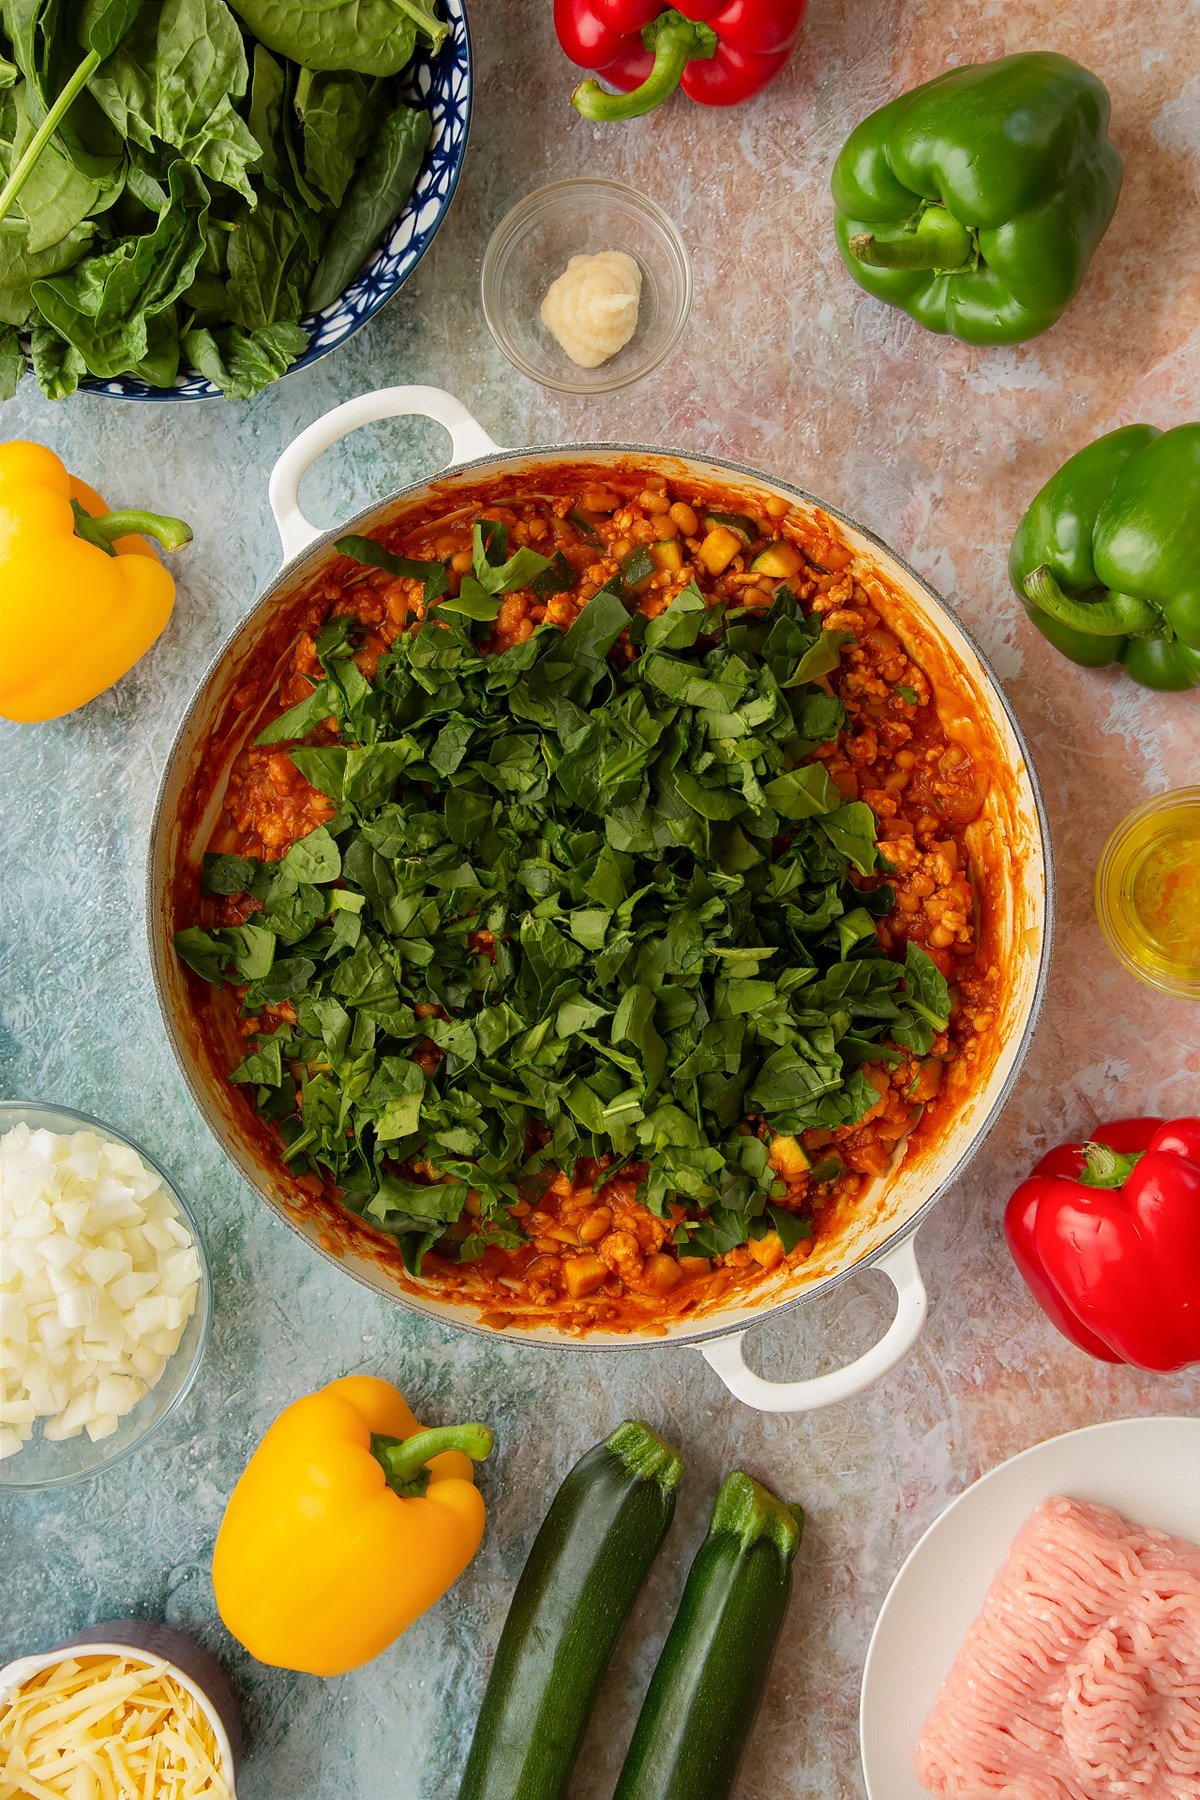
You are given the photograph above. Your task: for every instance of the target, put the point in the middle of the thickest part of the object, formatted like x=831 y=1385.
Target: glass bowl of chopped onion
x=105 y=1296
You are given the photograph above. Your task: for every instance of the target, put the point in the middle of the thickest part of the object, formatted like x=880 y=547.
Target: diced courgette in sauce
x=781 y=559
x=719 y=548
x=637 y=569
x=748 y=529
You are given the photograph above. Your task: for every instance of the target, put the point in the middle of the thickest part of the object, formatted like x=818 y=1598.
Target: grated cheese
x=107 y=1728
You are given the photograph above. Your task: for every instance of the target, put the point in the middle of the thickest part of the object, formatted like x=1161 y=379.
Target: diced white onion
x=98 y=1279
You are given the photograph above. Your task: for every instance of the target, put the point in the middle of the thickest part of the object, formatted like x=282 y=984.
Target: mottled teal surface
x=784 y=365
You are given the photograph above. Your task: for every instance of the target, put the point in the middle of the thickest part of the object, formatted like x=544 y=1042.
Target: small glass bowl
x=42 y=1464
x=1152 y=852
x=533 y=244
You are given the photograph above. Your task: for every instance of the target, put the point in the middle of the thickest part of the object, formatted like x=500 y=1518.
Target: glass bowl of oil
x=1148 y=892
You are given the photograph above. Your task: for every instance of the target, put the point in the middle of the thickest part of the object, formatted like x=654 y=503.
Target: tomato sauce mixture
x=595 y=1256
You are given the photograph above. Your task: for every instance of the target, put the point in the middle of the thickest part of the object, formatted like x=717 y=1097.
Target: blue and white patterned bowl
x=441 y=82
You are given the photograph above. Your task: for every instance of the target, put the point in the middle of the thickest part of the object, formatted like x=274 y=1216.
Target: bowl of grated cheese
x=105 y=1297
x=130 y=1707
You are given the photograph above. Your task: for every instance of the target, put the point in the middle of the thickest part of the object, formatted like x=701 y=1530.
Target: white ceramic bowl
x=1146 y=1469
x=159 y=1647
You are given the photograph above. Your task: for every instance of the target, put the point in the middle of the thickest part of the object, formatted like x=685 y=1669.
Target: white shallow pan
x=1011 y=836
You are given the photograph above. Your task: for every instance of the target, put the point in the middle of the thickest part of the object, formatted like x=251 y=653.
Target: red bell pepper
x=1107 y=1235
x=719 y=51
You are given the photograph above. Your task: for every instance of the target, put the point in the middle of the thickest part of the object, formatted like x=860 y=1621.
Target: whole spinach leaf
x=384 y=182
x=47 y=52
x=337 y=116
x=272 y=253
x=243 y=363
x=56 y=196
x=57 y=365
x=19 y=269
x=102 y=307
x=159 y=362
x=268 y=96
x=372 y=37
x=177 y=77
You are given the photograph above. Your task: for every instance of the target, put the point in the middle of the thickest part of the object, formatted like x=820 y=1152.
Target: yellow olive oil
x=1148 y=892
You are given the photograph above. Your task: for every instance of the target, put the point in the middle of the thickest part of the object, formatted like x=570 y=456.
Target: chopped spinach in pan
x=588 y=898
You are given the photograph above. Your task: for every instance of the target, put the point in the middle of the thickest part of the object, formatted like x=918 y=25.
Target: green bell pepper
x=976 y=201
x=1106 y=559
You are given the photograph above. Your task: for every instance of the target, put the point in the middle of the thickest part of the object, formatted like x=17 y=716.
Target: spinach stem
x=45 y=131
x=434 y=29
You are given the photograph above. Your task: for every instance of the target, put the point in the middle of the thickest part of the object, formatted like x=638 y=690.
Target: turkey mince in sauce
x=855 y=1022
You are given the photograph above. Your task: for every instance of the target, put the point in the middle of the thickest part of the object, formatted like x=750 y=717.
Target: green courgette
x=637 y=568
x=780 y=559
x=584 y=1572
x=705 y=1693
x=558 y=577
x=586 y=527
x=748 y=529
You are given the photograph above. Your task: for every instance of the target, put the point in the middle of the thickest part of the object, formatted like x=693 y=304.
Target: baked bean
x=599 y=500
x=653 y=502
x=660 y=1274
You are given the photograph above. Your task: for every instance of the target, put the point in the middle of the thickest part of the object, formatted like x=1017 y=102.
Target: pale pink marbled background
x=937 y=447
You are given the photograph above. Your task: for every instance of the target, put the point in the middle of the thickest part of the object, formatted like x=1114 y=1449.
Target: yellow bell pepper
x=347 y=1524
x=81 y=596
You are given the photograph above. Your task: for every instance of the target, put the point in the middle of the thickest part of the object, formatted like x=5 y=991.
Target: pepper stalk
x=404 y=1460
x=1104 y=1167
x=105 y=529
x=931 y=239
x=1117 y=615
x=675 y=42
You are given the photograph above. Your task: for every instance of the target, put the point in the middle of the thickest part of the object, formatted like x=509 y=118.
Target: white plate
x=1147 y=1469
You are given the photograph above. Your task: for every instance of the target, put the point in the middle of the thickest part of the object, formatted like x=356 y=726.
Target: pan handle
x=724 y=1354
x=468 y=440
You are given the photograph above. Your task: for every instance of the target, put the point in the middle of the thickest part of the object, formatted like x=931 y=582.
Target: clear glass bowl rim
x=544 y=198
x=1186 y=988
x=15 y=1112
